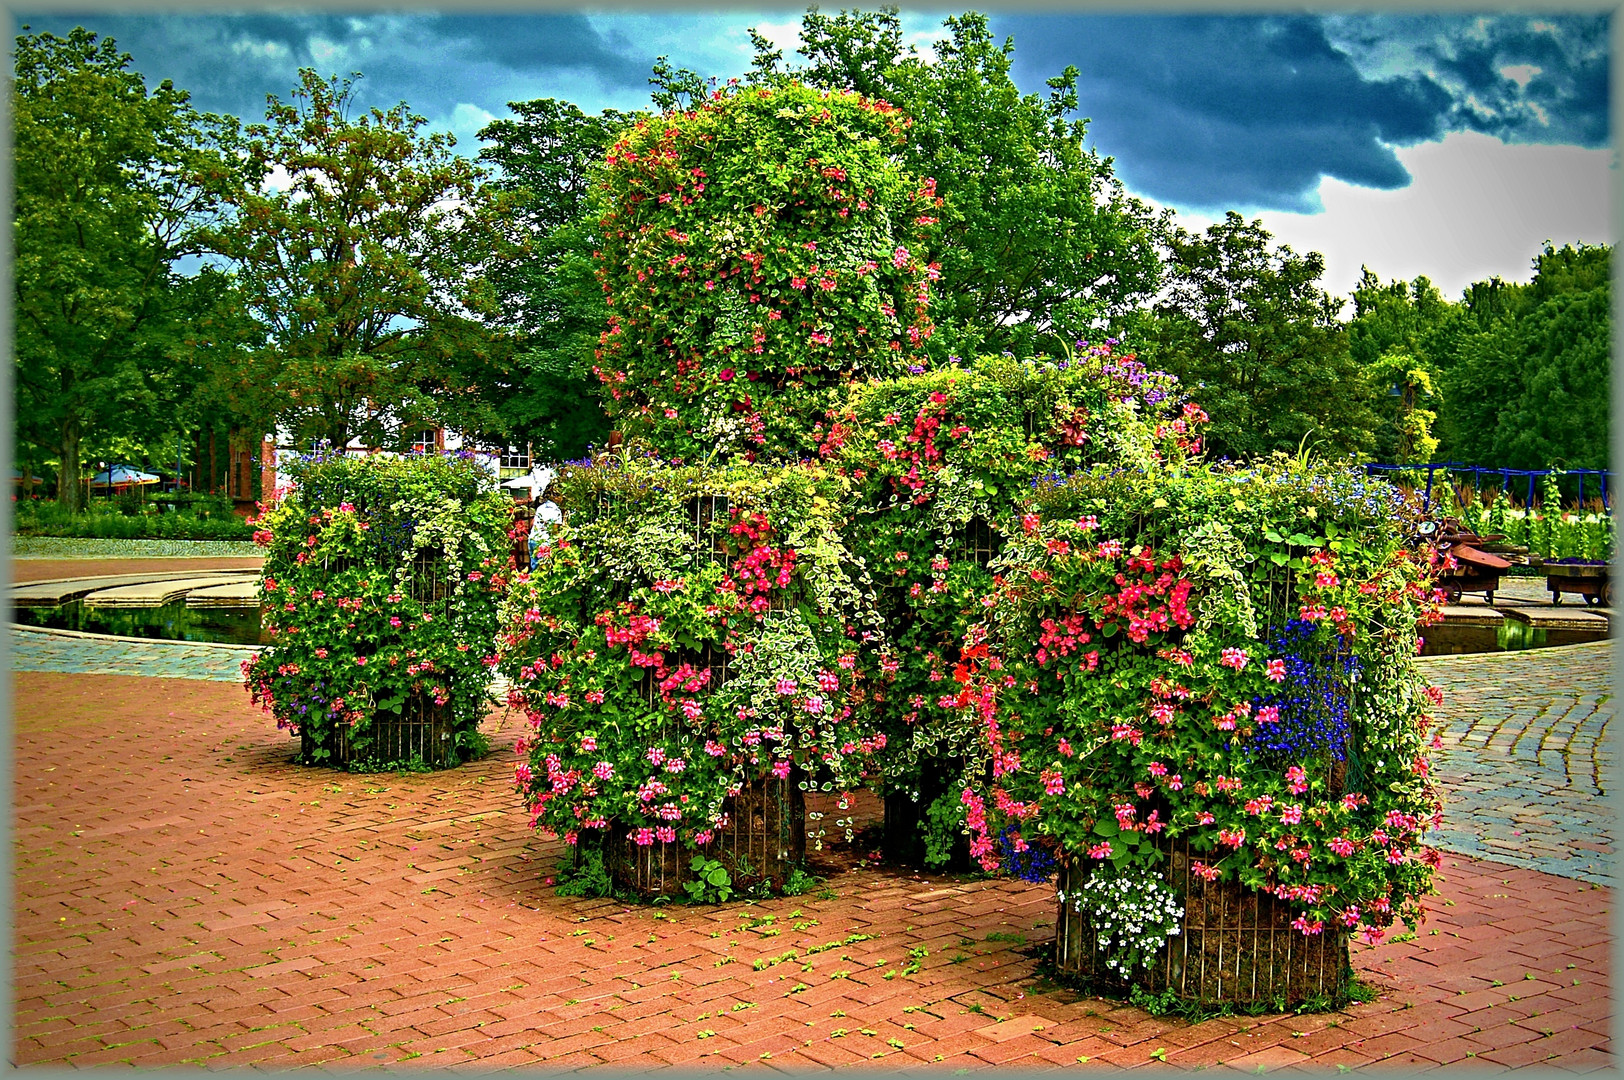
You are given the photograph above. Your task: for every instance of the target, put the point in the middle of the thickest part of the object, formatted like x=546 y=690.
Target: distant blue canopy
x=119 y=475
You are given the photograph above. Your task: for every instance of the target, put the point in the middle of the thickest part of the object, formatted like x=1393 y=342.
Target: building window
x=427 y=441
x=516 y=457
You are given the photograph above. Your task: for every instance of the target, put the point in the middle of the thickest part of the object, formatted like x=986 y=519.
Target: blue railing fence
x=1478 y=472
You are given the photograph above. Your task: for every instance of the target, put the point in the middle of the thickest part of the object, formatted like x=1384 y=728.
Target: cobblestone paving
x=186 y=895
x=33 y=650
x=1526 y=761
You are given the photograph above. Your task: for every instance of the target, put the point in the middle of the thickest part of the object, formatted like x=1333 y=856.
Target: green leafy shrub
x=711 y=883
x=758 y=251
x=103 y=520
x=381 y=586
x=588 y=877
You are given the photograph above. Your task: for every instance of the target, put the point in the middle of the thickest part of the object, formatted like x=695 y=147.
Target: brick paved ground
x=185 y=894
x=55 y=569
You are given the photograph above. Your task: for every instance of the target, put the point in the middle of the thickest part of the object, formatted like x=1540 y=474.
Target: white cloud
x=327 y=52
x=465 y=122
x=1521 y=74
x=1477 y=208
x=278 y=179
x=785 y=36
x=267 y=50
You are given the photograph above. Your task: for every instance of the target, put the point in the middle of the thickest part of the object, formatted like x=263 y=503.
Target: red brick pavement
x=185 y=894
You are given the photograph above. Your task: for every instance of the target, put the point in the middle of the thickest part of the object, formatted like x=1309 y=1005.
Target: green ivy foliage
x=757 y=251
x=381 y=584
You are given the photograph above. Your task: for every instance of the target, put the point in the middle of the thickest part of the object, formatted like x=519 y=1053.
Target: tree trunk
x=70 y=493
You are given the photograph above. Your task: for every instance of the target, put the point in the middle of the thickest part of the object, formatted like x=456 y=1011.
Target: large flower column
x=1200 y=694
x=695 y=650
x=380 y=590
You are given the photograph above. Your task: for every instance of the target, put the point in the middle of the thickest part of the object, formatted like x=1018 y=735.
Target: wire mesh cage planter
x=1234 y=944
x=763 y=842
x=422 y=731
x=1237 y=944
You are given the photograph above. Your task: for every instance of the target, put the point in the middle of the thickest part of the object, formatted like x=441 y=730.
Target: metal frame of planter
x=422 y=730
x=764 y=840
x=1234 y=945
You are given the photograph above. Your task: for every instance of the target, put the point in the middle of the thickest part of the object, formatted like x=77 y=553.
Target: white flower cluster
x=1132 y=915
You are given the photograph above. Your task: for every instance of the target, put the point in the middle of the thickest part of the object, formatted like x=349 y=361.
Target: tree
x=1528 y=386
x=1254 y=338
x=368 y=267
x=1402 y=336
x=544 y=393
x=113 y=185
x=1037 y=237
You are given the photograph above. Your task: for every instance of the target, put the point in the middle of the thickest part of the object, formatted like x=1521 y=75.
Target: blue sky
x=1450 y=144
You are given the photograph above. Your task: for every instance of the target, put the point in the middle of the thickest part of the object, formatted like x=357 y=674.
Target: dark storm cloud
x=1202 y=112
x=1523 y=78
x=1216 y=111
x=529 y=43
x=433 y=62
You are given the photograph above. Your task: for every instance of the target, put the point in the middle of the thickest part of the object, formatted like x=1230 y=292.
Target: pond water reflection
x=170 y=622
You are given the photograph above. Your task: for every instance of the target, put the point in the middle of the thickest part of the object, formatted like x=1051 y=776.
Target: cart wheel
x=1452 y=592
x=1607 y=594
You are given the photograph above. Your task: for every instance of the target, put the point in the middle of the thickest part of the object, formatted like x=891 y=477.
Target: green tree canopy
x=113 y=185
x=544 y=392
x=367 y=261
x=1248 y=330
x=1037 y=236
x=1402 y=336
x=1528 y=385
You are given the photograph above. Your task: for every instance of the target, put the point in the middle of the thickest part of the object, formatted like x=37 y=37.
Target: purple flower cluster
x=1029 y=862
x=1313 y=701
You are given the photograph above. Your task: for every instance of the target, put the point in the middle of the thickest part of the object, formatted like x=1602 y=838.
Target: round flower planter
x=763 y=841
x=1234 y=945
x=421 y=732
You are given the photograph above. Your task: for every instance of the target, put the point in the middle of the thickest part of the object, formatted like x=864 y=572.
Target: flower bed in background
x=381 y=585
x=1547 y=533
x=690 y=640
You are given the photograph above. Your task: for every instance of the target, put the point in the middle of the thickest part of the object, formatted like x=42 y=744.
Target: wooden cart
x=1475 y=570
x=1590 y=580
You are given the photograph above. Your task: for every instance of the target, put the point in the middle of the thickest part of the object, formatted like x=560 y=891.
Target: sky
x=1450 y=145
